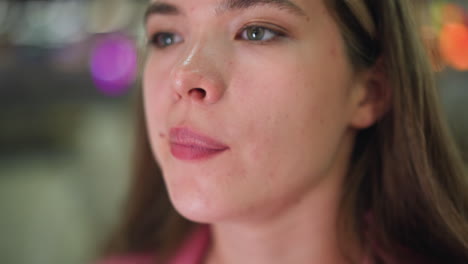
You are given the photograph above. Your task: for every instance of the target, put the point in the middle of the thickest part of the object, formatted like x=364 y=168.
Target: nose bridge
x=199 y=70
x=201 y=53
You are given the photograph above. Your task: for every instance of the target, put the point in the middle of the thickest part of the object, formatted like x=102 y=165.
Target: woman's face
x=249 y=104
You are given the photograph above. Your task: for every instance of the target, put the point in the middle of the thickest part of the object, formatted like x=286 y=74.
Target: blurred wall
x=68 y=79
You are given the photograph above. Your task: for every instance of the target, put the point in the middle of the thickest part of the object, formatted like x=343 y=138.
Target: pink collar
x=192 y=251
x=194 y=248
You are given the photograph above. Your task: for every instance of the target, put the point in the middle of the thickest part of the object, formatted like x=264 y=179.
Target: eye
x=164 y=39
x=259 y=34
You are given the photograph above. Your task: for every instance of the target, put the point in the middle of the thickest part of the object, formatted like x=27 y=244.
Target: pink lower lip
x=187 y=152
x=187 y=144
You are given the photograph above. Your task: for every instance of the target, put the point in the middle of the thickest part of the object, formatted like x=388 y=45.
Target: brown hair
x=405 y=169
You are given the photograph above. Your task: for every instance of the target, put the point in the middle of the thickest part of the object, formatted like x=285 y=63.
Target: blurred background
x=68 y=83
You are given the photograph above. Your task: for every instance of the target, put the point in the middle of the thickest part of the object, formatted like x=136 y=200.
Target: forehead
x=304 y=8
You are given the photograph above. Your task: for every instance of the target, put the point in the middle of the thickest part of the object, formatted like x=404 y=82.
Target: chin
x=200 y=195
x=198 y=210
x=202 y=207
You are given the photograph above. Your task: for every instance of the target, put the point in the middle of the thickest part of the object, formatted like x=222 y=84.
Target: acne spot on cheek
x=162 y=135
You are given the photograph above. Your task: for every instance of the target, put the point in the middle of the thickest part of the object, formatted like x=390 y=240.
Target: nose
x=198 y=77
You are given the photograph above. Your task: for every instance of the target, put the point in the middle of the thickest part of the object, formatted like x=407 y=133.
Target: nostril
x=197 y=93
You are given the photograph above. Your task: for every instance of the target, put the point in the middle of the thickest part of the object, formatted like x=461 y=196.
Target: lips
x=187 y=144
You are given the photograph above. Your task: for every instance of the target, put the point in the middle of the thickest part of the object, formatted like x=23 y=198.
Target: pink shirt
x=194 y=249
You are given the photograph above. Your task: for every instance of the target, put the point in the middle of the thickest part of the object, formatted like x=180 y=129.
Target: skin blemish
x=161 y=135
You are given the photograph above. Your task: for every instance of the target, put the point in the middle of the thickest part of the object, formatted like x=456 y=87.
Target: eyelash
x=155 y=38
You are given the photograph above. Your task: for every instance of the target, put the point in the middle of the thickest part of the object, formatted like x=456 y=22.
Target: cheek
x=294 y=120
x=153 y=86
x=156 y=102
x=292 y=99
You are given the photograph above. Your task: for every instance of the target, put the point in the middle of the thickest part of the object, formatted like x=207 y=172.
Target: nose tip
x=199 y=80
x=201 y=87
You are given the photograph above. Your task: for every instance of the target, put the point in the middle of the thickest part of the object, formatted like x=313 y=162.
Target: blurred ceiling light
x=49 y=24
x=29 y=29
x=109 y=15
x=65 y=22
x=113 y=64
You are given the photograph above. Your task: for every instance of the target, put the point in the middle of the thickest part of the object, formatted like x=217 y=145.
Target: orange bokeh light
x=453 y=45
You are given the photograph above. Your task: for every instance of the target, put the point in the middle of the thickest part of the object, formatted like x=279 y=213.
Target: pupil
x=167 y=40
x=164 y=39
x=256 y=33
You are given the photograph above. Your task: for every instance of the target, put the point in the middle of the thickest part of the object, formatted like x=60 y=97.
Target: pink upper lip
x=187 y=137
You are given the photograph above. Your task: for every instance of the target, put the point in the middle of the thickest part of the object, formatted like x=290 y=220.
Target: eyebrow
x=163 y=8
x=229 y=5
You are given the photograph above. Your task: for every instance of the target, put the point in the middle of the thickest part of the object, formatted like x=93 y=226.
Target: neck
x=303 y=232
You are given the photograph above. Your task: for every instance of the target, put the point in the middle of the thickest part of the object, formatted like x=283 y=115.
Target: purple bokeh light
x=113 y=64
